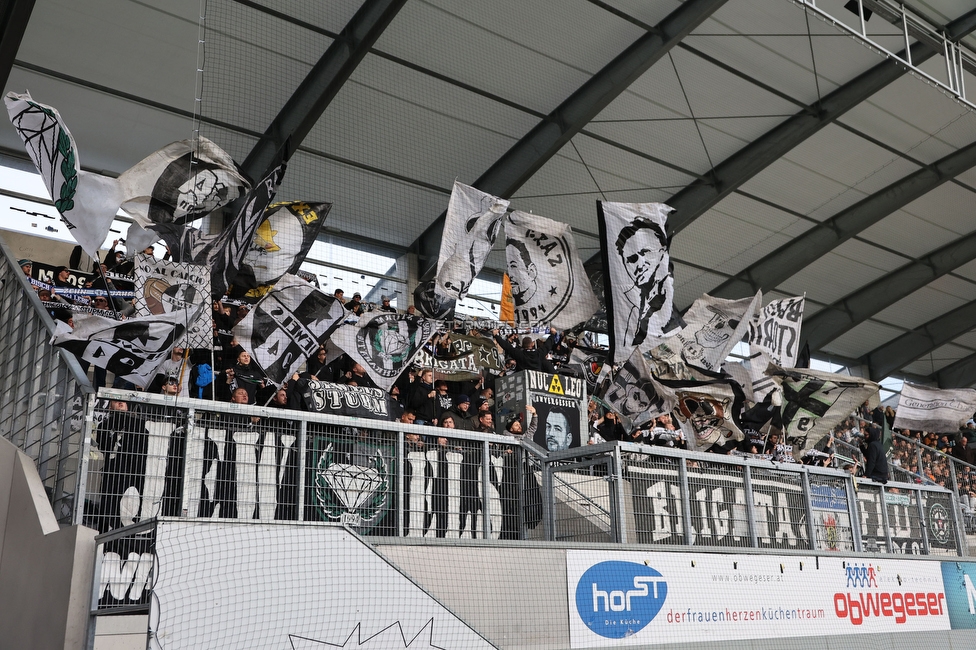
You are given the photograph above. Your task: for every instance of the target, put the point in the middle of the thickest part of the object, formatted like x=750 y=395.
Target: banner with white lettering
x=471 y=226
x=384 y=343
x=340 y=399
x=548 y=283
x=469 y=356
x=774 y=336
x=560 y=404
x=624 y=598
x=162 y=287
x=288 y=325
x=921 y=408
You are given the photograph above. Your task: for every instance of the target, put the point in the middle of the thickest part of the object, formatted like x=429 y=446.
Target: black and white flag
x=131 y=349
x=280 y=245
x=288 y=325
x=636 y=396
x=708 y=412
x=774 y=337
x=471 y=225
x=587 y=363
x=86 y=202
x=639 y=282
x=384 y=343
x=162 y=287
x=815 y=401
x=339 y=399
x=181 y=182
x=921 y=408
x=713 y=327
x=549 y=285
x=224 y=251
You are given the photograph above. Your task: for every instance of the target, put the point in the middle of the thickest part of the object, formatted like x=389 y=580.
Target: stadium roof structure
x=807 y=148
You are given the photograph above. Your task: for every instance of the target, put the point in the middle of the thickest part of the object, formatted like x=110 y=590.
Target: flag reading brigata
x=548 y=283
x=288 y=325
x=639 y=285
x=471 y=225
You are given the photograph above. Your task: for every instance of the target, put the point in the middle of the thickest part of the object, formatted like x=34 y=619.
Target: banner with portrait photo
x=384 y=343
x=639 y=280
x=288 y=325
x=560 y=404
x=471 y=225
x=548 y=283
x=162 y=287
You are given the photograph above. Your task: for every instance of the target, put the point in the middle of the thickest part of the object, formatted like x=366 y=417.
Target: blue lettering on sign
x=617 y=599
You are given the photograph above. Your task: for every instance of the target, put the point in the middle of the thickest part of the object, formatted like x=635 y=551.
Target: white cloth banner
x=131 y=349
x=549 y=285
x=921 y=408
x=288 y=325
x=471 y=225
x=86 y=202
x=384 y=343
x=162 y=287
x=774 y=337
x=636 y=396
x=638 y=284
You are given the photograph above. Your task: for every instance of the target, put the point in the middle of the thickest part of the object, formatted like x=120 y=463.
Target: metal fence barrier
x=42 y=390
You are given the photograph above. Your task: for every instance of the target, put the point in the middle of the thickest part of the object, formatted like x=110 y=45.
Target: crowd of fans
x=228 y=373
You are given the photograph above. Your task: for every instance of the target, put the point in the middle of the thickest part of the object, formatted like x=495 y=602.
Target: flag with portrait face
x=636 y=396
x=280 y=245
x=181 y=182
x=86 y=202
x=288 y=325
x=548 y=283
x=815 y=401
x=225 y=251
x=384 y=343
x=471 y=225
x=638 y=279
x=131 y=349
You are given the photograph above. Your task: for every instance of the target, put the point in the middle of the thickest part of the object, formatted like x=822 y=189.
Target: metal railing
x=42 y=390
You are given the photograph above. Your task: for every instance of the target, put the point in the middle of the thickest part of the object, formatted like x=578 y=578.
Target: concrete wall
x=45 y=571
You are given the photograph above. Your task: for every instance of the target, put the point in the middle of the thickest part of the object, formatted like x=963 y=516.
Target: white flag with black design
x=86 y=202
x=815 y=401
x=921 y=408
x=712 y=328
x=384 y=343
x=774 y=337
x=636 y=396
x=162 y=287
x=708 y=412
x=639 y=282
x=181 y=182
x=549 y=285
x=131 y=349
x=471 y=225
x=224 y=251
x=288 y=325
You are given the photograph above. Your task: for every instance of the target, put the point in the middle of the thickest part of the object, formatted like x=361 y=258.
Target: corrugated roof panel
x=676 y=141
x=937 y=360
x=861 y=339
x=919 y=308
x=904 y=232
x=831 y=278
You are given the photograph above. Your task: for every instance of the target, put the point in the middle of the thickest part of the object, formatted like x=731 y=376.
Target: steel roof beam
x=540 y=144
x=693 y=201
x=14 y=16
x=842 y=315
x=902 y=350
x=960 y=374
x=321 y=85
x=813 y=244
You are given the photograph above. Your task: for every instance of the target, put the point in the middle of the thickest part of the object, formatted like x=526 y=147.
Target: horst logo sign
x=618 y=599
